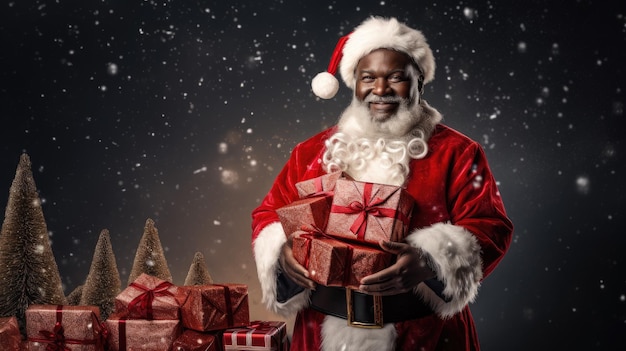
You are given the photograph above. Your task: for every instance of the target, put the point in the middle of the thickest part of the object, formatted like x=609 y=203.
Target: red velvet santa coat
x=458 y=220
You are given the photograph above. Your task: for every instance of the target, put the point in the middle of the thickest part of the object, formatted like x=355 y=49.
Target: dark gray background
x=184 y=111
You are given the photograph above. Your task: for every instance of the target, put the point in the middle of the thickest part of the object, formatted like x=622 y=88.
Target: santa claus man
x=459 y=230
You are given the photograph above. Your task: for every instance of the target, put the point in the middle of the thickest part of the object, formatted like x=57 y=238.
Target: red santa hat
x=374 y=33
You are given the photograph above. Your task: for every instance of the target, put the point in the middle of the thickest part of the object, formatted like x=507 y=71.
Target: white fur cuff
x=267 y=247
x=454 y=255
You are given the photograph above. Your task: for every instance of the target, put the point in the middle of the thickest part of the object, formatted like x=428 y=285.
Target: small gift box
x=319 y=186
x=308 y=213
x=369 y=212
x=141 y=334
x=332 y=262
x=259 y=335
x=214 y=306
x=191 y=340
x=10 y=337
x=148 y=297
x=57 y=327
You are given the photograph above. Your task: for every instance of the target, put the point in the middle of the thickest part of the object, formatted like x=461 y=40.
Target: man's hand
x=409 y=270
x=294 y=270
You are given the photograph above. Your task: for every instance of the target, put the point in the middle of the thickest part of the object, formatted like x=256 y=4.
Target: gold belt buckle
x=378 y=312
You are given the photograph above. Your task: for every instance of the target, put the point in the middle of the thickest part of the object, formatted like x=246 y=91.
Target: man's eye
x=367 y=79
x=396 y=78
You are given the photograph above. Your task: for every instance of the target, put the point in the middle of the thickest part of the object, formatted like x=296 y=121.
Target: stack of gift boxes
x=150 y=315
x=337 y=224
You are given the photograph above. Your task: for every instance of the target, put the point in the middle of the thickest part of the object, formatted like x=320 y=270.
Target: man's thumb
x=391 y=246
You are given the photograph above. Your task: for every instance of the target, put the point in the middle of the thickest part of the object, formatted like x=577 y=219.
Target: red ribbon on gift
x=312 y=232
x=319 y=189
x=121 y=331
x=367 y=207
x=142 y=304
x=56 y=340
x=347 y=269
x=229 y=305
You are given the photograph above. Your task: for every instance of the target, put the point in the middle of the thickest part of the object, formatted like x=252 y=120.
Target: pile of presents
x=150 y=315
x=337 y=224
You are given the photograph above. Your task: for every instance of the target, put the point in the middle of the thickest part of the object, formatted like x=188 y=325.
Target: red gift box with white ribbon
x=259 y=335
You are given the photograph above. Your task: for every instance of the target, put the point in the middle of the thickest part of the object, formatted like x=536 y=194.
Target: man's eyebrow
x=395 y=70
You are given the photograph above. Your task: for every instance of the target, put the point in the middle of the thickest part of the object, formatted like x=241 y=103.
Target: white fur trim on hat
x=454 y=254
x=381 y=33
x=267 y=247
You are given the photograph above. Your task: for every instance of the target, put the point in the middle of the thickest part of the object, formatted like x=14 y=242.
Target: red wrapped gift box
x=10 y=337
x=369 y=212
x=214 y=306
x=148 y=297
x=309 y=213
x=332 y=262
x=76 y=328
x=141 y=334
x=191 y=340
x=259 y=335
x=323 y=185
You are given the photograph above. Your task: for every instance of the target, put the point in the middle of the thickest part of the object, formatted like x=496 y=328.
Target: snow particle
x=112 y=68
x=583 y=184
x=199 y=170
x=222 y=148
x=469 y=13
x=39 y=249
x=229 y=177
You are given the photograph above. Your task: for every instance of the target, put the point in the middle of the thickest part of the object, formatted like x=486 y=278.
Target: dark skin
x=381 y=73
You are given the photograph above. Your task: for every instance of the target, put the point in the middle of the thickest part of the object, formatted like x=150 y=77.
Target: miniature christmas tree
x=150 y=258
x=73 y=299
x=29 y=273
x=198 y=272
x=103 y=281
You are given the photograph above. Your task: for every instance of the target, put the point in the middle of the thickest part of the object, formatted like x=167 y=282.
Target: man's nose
x=381 y=87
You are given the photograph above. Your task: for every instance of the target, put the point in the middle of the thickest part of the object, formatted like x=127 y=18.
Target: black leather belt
x=367 y=311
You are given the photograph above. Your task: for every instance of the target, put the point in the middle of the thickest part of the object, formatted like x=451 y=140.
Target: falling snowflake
x=582 y=184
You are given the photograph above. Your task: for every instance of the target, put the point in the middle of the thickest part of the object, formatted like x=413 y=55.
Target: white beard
x=380 y=152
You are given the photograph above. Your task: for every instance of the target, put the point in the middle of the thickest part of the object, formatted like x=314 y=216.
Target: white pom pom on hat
x=324 y=84
x=374 y=33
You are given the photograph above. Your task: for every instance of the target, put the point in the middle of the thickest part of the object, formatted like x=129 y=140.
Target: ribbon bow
x=55 y=338
x=367 y=207
x=142 y=304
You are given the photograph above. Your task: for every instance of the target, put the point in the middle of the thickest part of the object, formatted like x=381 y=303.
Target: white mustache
x=383 y=99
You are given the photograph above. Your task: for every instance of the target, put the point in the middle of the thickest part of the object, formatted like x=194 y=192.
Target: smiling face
x=383 y=83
